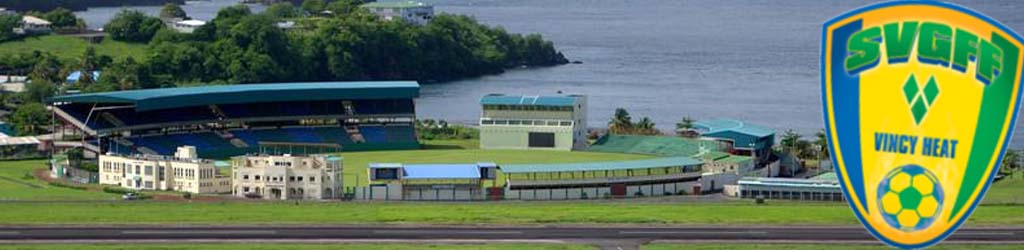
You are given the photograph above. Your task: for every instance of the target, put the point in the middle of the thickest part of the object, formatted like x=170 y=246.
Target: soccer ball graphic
x=910 y=198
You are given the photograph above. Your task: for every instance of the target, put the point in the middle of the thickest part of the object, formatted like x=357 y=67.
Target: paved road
x=808 y=234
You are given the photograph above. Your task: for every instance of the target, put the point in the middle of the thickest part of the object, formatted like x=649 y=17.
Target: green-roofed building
x=742 y=138
x=533 y=122
x=716 y=154
x=409 y=11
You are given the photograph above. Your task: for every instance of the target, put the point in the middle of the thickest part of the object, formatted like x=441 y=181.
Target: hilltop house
x=411 y=11
x=34 y=25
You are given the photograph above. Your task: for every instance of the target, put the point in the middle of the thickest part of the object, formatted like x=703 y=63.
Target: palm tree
x=822 y=143
x=685 y=127
x=621 y=122
x=646 y=127
x=789 y=140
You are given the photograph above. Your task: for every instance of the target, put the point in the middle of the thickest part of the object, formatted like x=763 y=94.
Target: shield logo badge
x=920 y=99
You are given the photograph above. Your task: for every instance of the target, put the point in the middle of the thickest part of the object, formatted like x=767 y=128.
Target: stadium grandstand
x=223 y=121
x=611 y=179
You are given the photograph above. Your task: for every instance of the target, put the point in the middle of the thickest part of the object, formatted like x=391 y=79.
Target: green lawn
x=1009 y=190
x=580 y=212
x=273 y=246
x=71 y=48
x=14 y=185
x=878 y=246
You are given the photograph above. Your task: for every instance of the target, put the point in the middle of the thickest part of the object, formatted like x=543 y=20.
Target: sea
x=755 y=61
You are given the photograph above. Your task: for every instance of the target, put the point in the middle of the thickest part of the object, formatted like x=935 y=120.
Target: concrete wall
x=598 y=192
x=517 y=137
x=715 y=182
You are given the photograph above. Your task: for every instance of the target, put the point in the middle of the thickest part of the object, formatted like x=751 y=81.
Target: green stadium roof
x=722 y=125
x=495 y=99
x=655 y=145
x=394 y=4
x=713 y=155
x=165 y=98
x=734 y=159
x=826 y=176
x=600 y=166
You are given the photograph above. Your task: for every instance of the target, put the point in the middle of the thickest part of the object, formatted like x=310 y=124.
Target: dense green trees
x=282 y=10
x=171 y=10
x=133 y=26
x=313 y=6
x=30 y=118
x=241 y=47
x=7 y=25
x=61 y=18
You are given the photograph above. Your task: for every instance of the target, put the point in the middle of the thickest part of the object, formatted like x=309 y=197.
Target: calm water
x=749 y=60
x=202 y=10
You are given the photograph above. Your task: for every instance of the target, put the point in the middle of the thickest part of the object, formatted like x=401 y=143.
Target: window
x=245 y=177
x=312 y=179
x=541 y=140
x=386 y=173
x=300 y=178
x=257 y=177
x=291 y=178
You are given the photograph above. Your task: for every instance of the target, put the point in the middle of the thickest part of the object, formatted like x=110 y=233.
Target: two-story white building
x=287 y=177
x=533 y=122
x=411 y=11
x=184 y=172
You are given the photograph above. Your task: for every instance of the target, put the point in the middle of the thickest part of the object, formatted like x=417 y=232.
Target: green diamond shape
x=910 y=89
x=931 y=90
x=918 y=109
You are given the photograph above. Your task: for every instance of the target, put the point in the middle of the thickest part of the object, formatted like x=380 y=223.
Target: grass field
x=383 y=246
x=14 y=185
x=1010 y=190
x=580 y=212
x=71 y=48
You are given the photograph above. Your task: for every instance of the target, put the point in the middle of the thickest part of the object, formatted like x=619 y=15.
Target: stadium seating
x=400 y=133
x=373 y=134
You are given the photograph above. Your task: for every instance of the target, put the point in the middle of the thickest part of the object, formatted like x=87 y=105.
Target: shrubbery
x=429 y=129
x=64 y=185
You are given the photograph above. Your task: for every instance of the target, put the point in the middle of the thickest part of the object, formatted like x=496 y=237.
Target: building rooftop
x=192 y=22
x=722 y=125
x=441 y=171
x=165 y=98
x=826 y=176
x=395 y=4
x=16 y=141
x=34 y=20
x=791 y=182
x=600 y=166
x=498 y=99
x=655 y=145
x=734 y=159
